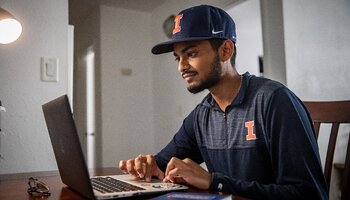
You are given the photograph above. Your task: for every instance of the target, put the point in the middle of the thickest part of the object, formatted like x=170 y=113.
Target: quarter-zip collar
x=210 y=101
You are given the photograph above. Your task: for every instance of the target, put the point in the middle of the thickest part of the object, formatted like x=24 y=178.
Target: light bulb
x=10 y=30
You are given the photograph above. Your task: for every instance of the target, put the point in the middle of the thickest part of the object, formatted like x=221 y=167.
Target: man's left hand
x=187 y=171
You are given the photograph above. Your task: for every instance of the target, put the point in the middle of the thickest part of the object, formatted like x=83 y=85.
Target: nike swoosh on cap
x=216 y=32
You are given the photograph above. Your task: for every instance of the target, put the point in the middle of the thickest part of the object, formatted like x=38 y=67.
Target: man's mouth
x=188 y=75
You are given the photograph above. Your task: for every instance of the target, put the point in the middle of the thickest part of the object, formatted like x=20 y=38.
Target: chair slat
x=317 y=128
x=336 y=113
x=330 y=153
x=346 y=175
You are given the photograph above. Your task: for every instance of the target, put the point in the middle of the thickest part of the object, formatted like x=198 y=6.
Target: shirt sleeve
x=183 y=145
x=293 y=152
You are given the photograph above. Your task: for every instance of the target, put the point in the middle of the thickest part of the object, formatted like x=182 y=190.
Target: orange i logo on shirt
x=250 y=135
x=177 y=27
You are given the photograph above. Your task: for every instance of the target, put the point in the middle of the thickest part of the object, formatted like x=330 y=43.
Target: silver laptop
x=72 y=166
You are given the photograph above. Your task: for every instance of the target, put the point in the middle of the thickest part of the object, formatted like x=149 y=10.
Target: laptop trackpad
x=154 y=184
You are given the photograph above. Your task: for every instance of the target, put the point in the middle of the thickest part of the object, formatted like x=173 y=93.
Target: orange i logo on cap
x=177 y=27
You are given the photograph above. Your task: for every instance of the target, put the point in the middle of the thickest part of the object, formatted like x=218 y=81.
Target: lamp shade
x=10 y=28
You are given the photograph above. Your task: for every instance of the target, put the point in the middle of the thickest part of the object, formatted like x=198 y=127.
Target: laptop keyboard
x=109 y=185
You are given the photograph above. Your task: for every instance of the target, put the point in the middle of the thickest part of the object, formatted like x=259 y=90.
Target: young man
x=254 y=135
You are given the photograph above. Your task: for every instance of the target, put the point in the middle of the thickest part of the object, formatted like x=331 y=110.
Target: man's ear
x=226 y=50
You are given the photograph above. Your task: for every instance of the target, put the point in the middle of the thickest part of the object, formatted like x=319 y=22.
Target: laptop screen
x=66 y=146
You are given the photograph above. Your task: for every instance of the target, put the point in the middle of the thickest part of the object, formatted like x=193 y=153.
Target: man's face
x=199 y=65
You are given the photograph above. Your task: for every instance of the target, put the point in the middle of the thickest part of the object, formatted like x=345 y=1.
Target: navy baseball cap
x=199 y=23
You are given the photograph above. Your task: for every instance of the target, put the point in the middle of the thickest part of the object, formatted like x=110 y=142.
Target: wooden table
x=14 y=186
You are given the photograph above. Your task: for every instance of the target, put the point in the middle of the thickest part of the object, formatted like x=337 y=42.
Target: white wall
x=87 y=38
x=317 y=38
x=127 y=112
x=273 y=40
x=25 y=144
x=249 y=35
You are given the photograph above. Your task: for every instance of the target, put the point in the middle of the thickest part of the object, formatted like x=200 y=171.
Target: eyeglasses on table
x=38 y=188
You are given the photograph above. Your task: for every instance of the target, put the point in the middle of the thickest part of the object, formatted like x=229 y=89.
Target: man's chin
x=195 y=89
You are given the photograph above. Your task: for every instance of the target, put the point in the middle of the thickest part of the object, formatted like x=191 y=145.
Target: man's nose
x=183 y=65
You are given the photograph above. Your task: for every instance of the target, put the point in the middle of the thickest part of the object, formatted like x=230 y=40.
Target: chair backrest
x=335 y=113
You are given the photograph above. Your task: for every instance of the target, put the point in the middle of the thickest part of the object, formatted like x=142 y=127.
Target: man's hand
x=179 y=171
x=143 y=166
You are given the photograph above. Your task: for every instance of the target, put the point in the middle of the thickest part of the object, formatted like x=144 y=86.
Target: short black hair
x=216 y=43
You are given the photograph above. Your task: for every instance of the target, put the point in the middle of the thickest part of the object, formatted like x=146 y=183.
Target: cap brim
x=166 y=47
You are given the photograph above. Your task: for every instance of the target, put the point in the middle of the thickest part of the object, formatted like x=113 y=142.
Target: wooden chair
x=335 y=113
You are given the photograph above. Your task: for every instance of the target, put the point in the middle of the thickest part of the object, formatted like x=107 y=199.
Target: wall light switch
x=49 y=69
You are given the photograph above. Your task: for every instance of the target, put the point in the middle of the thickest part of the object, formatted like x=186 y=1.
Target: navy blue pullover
x=261 y=147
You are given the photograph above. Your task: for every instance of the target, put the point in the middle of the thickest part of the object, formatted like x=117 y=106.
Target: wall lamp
x=10 y=28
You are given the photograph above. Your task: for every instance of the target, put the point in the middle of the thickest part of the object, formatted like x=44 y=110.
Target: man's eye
x=177 y=59
x=191 y=54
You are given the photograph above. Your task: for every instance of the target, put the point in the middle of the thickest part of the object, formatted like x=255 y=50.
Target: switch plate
x=49 y=69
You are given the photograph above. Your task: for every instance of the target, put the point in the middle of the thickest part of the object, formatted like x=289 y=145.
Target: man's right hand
x=143 y=166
